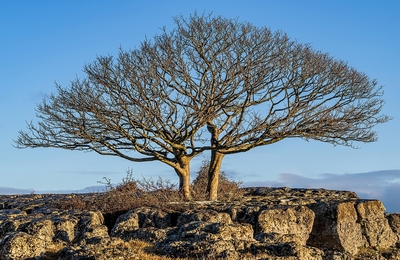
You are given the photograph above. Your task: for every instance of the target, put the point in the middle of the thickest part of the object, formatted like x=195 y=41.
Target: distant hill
x=13 y=191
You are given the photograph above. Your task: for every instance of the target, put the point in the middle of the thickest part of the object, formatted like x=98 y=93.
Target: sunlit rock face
x=266 y=223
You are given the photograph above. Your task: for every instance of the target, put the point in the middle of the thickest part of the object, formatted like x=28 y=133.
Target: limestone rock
x=104 y=249
x=211 y=216
x=20 y=245
x=126 y=223
x=246 y=213
x=30 y=235
x=297 y=221
x=151 y=217
x=287 y=250
x=65 y=227
x=150 y=234
x=198 y=238
x=7 y=214
x=266 y=223
x=349 y=226
x=394 y=222
x=10 y=220
x=336 y=227
x=375 y=226
x=147 y=224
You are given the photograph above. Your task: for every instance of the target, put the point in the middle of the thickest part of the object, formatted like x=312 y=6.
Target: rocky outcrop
x=200 y=238
x=375 y=225
x=336 y=227
x=294 y=221
x=267 y=223
x=394 y=222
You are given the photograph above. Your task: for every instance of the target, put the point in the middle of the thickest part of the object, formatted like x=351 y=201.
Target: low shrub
x=228 y=189
x=133 y=193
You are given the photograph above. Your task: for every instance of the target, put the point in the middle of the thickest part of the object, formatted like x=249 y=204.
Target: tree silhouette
x=235 y=84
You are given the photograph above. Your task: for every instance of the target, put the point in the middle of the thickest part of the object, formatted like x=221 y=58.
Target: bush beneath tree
x=133 y=193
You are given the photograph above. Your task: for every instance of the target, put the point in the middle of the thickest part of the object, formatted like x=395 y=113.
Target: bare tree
x=286 y=90
x=233 y=83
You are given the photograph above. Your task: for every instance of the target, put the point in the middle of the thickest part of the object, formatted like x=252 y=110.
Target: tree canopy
x=211 y=78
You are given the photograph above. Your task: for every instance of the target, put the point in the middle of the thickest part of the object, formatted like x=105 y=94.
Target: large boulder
x=375 y=227
x=295 y=221
x=336 y=227
x=283 y=231
x=349 y=226
x=125 y=224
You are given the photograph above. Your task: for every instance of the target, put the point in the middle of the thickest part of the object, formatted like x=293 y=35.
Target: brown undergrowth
x=133 y=193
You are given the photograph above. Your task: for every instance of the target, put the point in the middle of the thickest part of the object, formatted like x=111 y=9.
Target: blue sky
x=47 y=41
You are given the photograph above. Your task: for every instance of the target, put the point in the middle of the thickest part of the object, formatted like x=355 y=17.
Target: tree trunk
x=183 y=171
x=180 y=179
x=213 y=174
x=215 y=163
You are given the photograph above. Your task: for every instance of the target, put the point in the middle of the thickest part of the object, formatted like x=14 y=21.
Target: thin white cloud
x=382 y=185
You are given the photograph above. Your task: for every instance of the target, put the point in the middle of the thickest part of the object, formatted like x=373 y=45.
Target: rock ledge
x=267 y=223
